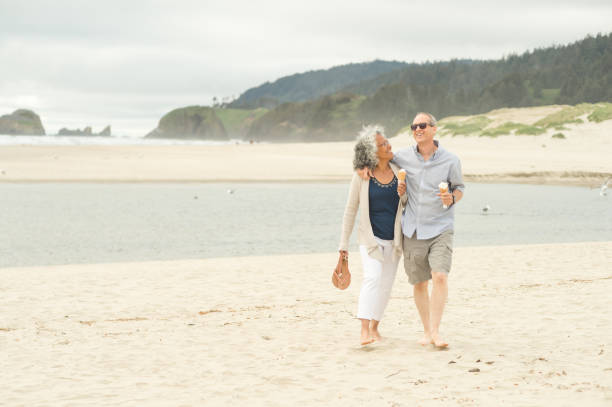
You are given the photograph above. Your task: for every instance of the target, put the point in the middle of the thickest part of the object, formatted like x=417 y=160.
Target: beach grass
x=603 y=111
x=505 y=129
x=526 y=130
x=568 y=115
x=480 y=125
x=474 y=125
x=509 y=128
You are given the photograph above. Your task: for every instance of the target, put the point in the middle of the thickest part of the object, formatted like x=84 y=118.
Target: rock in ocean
x=85 y=132
x=21 y=122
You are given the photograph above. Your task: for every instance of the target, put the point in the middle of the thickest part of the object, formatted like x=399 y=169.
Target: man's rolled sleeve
x=456 y=177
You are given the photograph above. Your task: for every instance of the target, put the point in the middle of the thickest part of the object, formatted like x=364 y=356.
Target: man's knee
x=422 y=286
x=439 y=278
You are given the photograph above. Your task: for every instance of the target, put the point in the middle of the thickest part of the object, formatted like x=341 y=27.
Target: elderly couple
x=412 y=217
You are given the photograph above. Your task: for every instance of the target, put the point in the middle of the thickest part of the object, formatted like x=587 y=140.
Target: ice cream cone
x=401 y=175
x=443 y=188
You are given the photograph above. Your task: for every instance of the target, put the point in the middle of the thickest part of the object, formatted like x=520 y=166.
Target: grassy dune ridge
x=553 y=118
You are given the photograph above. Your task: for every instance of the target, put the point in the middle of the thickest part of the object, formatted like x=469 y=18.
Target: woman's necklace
x=382 y=173
x=383 y=177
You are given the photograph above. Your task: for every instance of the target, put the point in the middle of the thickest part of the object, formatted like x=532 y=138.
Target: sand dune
x=272 y=331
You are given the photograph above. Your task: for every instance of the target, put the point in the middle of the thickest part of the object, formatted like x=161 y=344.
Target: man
x=428 y=220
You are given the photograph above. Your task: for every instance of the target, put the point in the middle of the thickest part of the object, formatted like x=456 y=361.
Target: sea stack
x=21 y=122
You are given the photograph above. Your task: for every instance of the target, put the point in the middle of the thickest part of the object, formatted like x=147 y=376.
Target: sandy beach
x=528 y=324
x=583 y=158
x=273 y=331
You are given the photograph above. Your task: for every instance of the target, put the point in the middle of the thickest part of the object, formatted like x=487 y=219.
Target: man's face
x=425 y=135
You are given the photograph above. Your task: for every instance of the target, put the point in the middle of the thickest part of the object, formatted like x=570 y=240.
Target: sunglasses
x=420 y=126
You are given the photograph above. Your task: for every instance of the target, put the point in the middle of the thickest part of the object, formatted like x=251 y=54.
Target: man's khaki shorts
x=423 y=256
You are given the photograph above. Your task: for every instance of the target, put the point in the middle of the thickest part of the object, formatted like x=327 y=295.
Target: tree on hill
x=312 y=85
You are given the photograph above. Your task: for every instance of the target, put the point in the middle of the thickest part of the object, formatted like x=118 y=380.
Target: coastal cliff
x=192 y=122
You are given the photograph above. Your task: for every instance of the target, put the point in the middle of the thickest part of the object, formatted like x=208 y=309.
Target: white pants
x=377 y=281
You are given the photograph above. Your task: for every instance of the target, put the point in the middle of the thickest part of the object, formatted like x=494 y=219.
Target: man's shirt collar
x=435 y=153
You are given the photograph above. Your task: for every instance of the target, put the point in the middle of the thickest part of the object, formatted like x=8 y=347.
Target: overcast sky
x=126 y=63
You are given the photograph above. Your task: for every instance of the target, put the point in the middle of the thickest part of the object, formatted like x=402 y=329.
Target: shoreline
x=579 y=179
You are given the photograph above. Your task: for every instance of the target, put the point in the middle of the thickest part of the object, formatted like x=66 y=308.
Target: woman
x=380 y=234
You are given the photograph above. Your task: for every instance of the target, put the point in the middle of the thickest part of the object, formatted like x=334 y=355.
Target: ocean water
x=8 y=140
x=65 y=223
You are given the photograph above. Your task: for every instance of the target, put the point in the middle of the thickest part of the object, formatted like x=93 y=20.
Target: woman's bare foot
x=426 y=340
x=438 y=342
x=366 y=338
x=374 y=330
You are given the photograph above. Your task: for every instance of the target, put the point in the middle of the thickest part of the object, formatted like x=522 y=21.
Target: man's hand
x=401 y=188
x=365 y=173
x=446 y=198
x=344 y=253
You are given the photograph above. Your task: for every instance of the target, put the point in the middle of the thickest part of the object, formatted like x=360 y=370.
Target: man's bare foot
x=438 y=342
x=375 y=335
x=426 y=340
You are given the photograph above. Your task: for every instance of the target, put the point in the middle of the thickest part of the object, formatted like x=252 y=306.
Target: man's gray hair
x=432 y=119
x=366 y=148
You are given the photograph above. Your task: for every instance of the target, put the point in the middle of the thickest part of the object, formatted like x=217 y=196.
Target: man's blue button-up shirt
x=424 y=212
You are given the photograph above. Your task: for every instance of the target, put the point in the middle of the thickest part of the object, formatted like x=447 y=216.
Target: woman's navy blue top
x=383 y=200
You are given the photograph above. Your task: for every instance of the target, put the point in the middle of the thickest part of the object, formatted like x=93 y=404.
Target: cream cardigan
x=358 y=198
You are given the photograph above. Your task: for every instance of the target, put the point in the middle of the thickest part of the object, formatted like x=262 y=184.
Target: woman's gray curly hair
x=366 y=148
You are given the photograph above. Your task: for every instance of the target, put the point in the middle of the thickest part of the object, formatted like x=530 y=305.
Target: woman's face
x=384 y=148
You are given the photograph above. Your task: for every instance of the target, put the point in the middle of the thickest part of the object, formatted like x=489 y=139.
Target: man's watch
x=453 y=195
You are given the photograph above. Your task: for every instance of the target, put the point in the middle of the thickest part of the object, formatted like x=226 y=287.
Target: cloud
x=121 y=60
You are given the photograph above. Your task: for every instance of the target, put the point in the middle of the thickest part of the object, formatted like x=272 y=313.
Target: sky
x=126 y=63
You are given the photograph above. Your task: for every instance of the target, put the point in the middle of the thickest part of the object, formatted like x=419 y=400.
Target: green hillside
x=237 y=121
x=312 y=85
x=333 y=117
x=206 y=123
x=191 y=122
x=571 y=74
x=333 y=104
